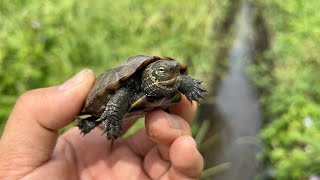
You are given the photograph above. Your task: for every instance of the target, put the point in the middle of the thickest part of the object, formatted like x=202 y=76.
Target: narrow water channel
x=237 y=105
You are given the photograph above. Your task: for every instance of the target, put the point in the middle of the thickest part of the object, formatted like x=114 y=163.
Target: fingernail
x=173 y=121
x=76 y=79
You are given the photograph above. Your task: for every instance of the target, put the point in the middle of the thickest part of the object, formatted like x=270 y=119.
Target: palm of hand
x=134 y=158
x=31 y=149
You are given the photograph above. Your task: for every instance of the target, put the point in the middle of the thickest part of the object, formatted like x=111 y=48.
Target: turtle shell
x=107 y=83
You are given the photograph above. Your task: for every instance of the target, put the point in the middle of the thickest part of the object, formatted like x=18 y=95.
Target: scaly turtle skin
x=139 y=85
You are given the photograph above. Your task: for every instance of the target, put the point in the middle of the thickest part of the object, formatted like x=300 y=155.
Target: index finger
x=185 y=109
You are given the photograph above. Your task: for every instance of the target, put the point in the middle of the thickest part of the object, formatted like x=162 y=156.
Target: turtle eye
x=160 y=71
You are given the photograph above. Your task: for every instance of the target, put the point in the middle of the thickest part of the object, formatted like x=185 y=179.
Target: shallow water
x=238 y=108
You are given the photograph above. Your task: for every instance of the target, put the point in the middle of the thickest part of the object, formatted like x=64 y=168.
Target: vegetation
x=45 y=42
x=288 y=75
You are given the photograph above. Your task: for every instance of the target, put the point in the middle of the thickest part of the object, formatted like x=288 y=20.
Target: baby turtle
x=137 y=86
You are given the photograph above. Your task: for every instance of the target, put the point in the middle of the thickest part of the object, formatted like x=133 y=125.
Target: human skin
x=30 y=147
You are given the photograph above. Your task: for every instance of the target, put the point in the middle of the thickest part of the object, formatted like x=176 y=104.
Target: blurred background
x=259 y=59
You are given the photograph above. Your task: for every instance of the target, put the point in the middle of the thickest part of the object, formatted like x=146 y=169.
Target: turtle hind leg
x=112 y=117
x=87 y=124
x=191 y=88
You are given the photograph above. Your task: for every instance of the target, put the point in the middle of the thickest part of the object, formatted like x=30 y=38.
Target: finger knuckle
x=25 y=97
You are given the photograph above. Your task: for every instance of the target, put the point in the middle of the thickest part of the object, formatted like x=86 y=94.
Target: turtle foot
x=113 y=128
x=191 y=88
x=86 y=124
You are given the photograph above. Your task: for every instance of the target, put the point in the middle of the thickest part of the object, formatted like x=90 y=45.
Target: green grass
x=43 y=43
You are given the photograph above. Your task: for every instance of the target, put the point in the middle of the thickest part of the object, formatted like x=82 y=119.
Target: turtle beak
x=171 y=81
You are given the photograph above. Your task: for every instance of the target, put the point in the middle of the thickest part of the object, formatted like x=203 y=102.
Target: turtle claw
x=104 y=131
x=82 y=133
x=192 y=88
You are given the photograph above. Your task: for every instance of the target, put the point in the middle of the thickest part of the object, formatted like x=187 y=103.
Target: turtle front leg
x=191 y=88
x=112 y=117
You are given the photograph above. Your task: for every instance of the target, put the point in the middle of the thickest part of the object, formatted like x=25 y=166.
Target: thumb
x=32 y=128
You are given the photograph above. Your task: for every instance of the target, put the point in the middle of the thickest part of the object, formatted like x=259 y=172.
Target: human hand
x=30 y=147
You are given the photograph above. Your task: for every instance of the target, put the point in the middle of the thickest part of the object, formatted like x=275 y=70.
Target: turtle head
x=161 y=78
